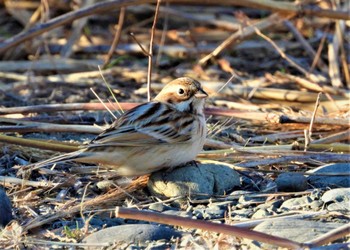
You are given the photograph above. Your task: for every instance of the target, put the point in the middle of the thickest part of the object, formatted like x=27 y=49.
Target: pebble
x=134 y=233
x=294 y=229
x=316 y=205
x=271 y=205
x=200 y=181
x=337 y=199
x=105 y=185
x=209 y=213
x=316 y=194
x=291 y=182
x=160 y=207
x=261 y=213
x=297 y=203
x=178 y=213
x=240 y=214
x=336 y=246
x=5 y=209
x=221 y=205
x=330 y=181
x=248 y=200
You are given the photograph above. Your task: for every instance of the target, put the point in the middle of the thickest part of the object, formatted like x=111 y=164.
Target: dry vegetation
x=284 y=107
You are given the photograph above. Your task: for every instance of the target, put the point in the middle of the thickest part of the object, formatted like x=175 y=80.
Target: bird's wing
x=150 y=123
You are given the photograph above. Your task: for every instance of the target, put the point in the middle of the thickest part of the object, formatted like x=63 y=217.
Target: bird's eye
x=181 y=91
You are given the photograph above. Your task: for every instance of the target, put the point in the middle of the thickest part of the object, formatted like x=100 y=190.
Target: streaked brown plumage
x=163 y=133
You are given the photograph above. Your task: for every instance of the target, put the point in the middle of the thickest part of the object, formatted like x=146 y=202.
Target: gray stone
x=160 y=207
x=339 y=206
x=291 y=182
x=135 y=233
x=316 y=205
x=271 y=205
x=242 y=214
x=330 y=181
x=221 y=205
x=294 y=229
x=338 y=194
x=297 y=203
x=239 y=193
x=178 y=213
x=209 y=213
x=316 y=194
x=202 y=181
x=261 y=213
x=337 y=199
x=5 y=209
x=105 y=185
x=248 y=200
x=336 y=246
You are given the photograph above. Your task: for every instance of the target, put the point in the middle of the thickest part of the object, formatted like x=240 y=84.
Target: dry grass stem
x=116 y=36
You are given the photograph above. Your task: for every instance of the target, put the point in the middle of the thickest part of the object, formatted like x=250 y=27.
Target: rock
x=160 y=207
x=5 y=209
x=239 y=193
x=336 y=246
x=297 y=203
x=316 y=194
x=261 y=213
x=316 y=205
x=294 y=229
x=209 y=213
x=272 y=205
x=249 y=200
x=105 y=185
x=337 y=199
x=330 y=181
x=202 y=181
x=240 y=214
x=178 y=213
x=135 y=233
x=337 y=194
x=291 y=182
x=224 y=205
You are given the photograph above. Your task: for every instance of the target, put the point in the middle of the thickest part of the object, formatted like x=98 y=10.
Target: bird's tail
x=57 y=159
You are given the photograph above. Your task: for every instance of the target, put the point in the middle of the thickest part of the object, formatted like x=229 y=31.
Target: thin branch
x=116 y=36
x=150 y=52
x=309 y=50
x=281 y=52
x=144 y=51
x=308 y=134
x=104 y=105
x=241 y=34
x=38 y=144
x=228 y=81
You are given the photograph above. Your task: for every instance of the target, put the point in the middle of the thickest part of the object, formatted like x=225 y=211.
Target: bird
x=167 y=132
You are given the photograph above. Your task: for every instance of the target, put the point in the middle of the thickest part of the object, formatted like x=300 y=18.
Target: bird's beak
x=201 y=94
